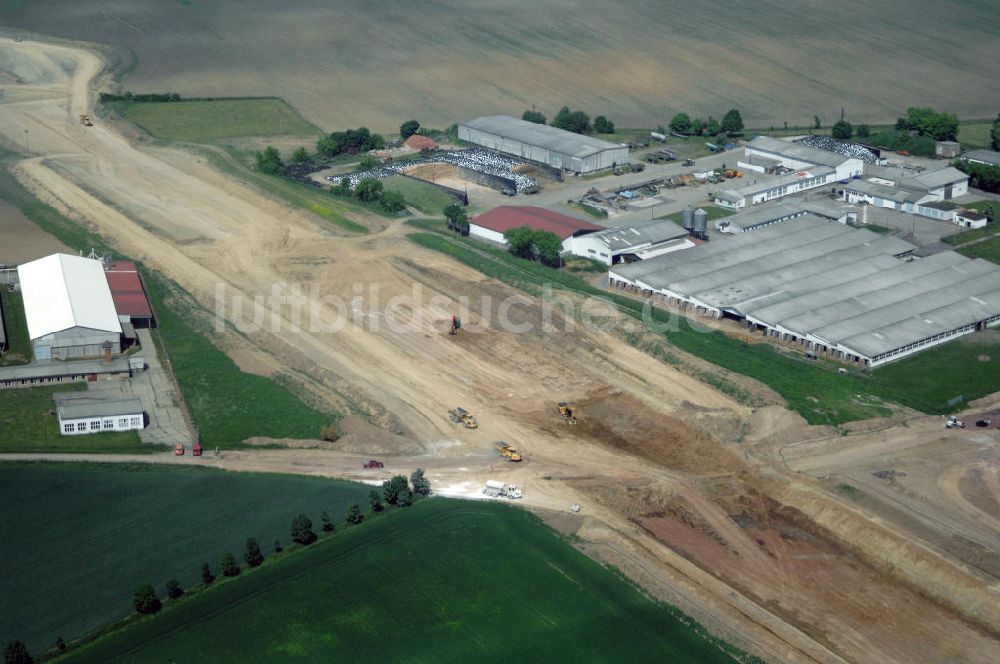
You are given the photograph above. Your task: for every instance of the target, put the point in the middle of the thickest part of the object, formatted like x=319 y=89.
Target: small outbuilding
x=971 y=219
x=947 y=149
x=82 y=413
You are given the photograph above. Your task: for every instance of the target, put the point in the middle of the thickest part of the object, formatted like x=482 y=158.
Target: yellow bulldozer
x=508 y=452
x=464 y=417
x=568 y=411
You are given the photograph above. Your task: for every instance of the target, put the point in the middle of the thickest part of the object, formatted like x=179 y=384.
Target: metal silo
x=700 y=223
x=687 y=219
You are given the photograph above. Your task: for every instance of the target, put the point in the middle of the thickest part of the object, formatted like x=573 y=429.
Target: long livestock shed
x=540 y=143
x=830 y=288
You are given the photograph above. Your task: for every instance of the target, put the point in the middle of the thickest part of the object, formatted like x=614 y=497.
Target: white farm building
x=556 y=148
x=776 y=168
x=82 y=413
x=68 y=308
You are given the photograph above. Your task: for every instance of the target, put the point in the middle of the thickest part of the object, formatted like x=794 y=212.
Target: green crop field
x=814 y=390
x=18 y=342
x=77 y=538
x=442 y=581
x=28 y=424
x=227 y=404
x=217 y=119
x=425 y=197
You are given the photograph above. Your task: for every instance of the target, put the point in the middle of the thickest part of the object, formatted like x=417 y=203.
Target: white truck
x=498 y=489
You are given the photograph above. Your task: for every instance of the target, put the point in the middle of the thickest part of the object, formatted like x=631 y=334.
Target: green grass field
x=814 y=390
x=18 y=342
x=320 y=202
x=26 y=425
x=216 y=120
x=425 y=197
x=988 y=249
x=975 y=135
x=227 y=404
x=442 y=581
x=78 y=538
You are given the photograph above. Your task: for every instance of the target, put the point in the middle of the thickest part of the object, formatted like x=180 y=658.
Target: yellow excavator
x=461 y=416
x=510 y=453
x=568 y=411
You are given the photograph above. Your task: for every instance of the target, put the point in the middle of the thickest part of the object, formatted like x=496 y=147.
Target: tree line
x=577 y=122
x=730 y=125
x=396 y=492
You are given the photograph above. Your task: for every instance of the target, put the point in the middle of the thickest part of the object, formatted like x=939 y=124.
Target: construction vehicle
x=954 y=423
x=983 y=423
x=498 y=489
x=575 y=507
x=568 y=411
x=179 y=449
x=456 y=325
x=374 y=463
x=510 y=453
x=196 y=449
x=688 y=162
x=733 y=173
x=86 y=121
x=461 y=416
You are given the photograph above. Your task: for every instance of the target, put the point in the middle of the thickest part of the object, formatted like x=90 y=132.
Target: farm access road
x=737 y=545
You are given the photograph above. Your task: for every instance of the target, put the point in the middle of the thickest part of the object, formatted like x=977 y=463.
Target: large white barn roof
x=62 y=292
x=543 y=136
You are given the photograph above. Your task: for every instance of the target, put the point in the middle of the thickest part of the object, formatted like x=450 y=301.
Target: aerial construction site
x=874 y=540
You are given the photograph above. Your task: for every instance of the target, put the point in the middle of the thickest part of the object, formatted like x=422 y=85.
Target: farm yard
x=479 y=580
x=438 y=60
x=78 y=538
x=690 y=463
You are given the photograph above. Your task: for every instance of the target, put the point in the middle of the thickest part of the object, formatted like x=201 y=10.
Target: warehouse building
x=780 y=168
x=928 y=194
x=69 y=308
x=556 y=148
x=767 y=215
x=492 y=225
x=626 y=244
x=829 y=288
x=82 y=413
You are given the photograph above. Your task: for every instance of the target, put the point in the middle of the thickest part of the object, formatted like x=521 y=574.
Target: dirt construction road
x=664 y=496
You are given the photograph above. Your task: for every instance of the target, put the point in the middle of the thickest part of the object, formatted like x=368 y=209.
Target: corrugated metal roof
x=984 y=156
x=625 y=237
x=82 y=405
x=949 y=175
x=59 y=368
x=797 y=151
x=126 y=290
x=62 y=291
x=831 y=282
x=506 y=217
x=551 y=138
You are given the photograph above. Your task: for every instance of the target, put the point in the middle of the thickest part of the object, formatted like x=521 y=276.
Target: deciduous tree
x=392 y=201
x=300 y=156
x=408 y=128
x=732 y=122
x=368 y=190
x=842 y=129
x=269 y=161
x=144 y=599
x=15 y=652
x=228 y=565
x=534 y=116
x=995 y=134
x=577 y=122
x=354 y=515
x=327 y=523
x=458 y=219
x=375 y=500
x=396 y=491
x=302 y=532
x=421 y=485
x=681 y=123
x=206 y=574
x=174 y=589
x=252 y=553
x=603 y=126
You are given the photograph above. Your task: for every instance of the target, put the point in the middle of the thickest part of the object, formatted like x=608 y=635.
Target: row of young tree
x=397 y=492
x=730 y=125
x=577 y=122
x=371 y=190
